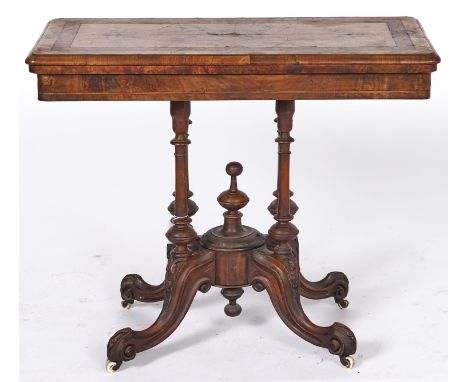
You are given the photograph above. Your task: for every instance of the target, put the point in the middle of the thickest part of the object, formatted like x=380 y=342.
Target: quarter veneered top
x=234 y=41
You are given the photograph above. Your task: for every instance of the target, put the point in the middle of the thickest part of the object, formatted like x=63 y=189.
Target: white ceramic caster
x=126 y=305
x=348 y=362
x=110 y=367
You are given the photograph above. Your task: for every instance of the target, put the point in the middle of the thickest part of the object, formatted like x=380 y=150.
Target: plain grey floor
x=370 y=180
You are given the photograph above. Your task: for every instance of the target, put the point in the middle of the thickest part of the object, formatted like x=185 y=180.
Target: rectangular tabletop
x=239 y=58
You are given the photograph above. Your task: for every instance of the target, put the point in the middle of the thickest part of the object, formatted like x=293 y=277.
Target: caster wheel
x=348 y=362
x=343 y=304
x=112 y=367
x=126 y=305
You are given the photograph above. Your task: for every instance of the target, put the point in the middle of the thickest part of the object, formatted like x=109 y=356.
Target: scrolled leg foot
x=205 y=287
x=120 y=348
x=277 y=276
x=133 y=287
x=342 y=341
x=184 y=277
x=334 y=284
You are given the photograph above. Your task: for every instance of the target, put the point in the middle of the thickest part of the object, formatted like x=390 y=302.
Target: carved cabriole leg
x=133 y=287
x=279 y=277
x=277 y=268
x=186 y=272
x=334 y=284
x=184 y=277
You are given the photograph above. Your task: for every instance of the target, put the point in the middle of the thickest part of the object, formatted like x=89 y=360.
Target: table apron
x=131 y=87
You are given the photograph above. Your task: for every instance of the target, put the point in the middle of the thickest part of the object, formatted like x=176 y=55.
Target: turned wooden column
x=181 y=233
x=192 y=207
x=283 y=231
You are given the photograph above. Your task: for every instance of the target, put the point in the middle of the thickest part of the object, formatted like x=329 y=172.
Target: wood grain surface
x=231 y=87
x=235 y=58
x=241 y=37
x=281 y=59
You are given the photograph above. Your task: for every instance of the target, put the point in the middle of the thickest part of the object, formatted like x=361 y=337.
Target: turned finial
x=232 y=235
x=234 y=169
x=233 y=200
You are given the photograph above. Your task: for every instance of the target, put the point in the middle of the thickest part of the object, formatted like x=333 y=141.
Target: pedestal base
x=232 y=256
x=278 y=275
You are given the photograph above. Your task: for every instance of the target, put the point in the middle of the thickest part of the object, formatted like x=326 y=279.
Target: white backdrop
x=369 y=177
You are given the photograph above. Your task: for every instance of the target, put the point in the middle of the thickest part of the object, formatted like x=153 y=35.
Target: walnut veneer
x=281 y=59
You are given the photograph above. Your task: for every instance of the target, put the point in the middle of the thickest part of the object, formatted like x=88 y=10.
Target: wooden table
x=282 y=59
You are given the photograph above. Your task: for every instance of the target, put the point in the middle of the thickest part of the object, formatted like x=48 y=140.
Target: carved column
x=283 y=231
x=181 y=233
x=273 y=208
x=192 y=206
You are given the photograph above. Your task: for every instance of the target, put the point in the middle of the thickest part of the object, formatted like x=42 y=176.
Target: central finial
x=233 y=200
x=232 y=235
x=234 y=169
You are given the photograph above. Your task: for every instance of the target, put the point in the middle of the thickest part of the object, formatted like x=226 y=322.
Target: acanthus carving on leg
x=187 y=270
x=291 y=265
x=186 y=276
x=271 y=273
x=239 y=256
x=277 y=268
x=174 y=266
